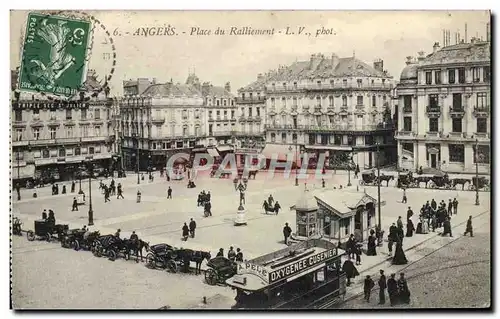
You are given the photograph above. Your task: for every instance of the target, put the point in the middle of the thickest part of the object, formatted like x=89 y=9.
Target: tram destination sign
x=301 y=265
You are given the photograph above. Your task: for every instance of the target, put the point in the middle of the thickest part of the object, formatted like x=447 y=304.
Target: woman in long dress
x=425 y=226
x=372 y=243
x=399 y=255
x=409 y=228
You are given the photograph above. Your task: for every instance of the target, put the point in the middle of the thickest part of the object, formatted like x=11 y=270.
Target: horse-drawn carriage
x=16 y=226
x=406 y=180
x=368 y=178
x=75 y=238
x=481 y=183
x=219 y=269
x=46 y=229
x=162 y=256
x=111 y=246
x=441 y=181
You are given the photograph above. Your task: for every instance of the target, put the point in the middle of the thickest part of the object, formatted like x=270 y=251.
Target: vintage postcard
x=250 y=159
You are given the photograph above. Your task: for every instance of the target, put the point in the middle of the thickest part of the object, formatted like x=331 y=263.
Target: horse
x=136 y=246
x=267 y=208
x=422 y=179
x=460 y=181
x=386 y=178
x=188 y=255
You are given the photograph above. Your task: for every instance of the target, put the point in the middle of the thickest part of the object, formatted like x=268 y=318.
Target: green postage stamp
x=54 y=54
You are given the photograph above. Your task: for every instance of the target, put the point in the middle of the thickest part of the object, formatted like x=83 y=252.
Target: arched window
x=344 y=100
x=273 y=137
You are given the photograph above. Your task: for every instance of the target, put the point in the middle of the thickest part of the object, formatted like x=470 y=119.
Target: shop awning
x=225 y=148
x=281 y=152
x=213 y=152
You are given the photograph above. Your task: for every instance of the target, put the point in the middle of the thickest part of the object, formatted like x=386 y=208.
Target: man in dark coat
x=382 y=284
x=169 y=193
x=433 y=204
x=367 y=288
x=287 y=231
x=400 y=222
x=350 y=270
x=106 y=194
x=277 y=207
x=450 y=207
x=73 y=186
x=446 y=227
x=75 y=205
x=185 y=232
x=208 y=209
x=270 y=200
x=409 y=213
x=220 y=253
x=392 y=289
x=351 y=246
x=192 y=227
x=120 y=191
x=372 y=244
x=468 y=227
x=239 y=255
x=455 y=206
x=403 y=291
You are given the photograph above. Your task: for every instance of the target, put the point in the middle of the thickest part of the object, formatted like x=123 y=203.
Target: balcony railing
x=158 y=119
x=331 y=127
x=248 y=100
x=457 y=111
x=481 y=111
x=223 y=133
x=331 y=86
x=407 y=109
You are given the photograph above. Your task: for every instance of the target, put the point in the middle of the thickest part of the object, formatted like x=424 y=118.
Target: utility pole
x=349 y=159
x=477 y=172
x=296 y=164
x=91 y=212
x=378 y=188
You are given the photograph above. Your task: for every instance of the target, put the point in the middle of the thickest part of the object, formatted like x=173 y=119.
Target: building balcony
x=257 y=118
x=330 y=128
x=330 y=86
x=249 y=133
x=222 y=133
x=233 y=119
x=481 y=111
x=344 y=108
x=317 y=109
x=225 y=119
x=158 y=120
x=457 y=112
x=19 y=123
x=330 y=109
x=482 y=136
x=94 y=139
x=433 y=111
x=405 y=134
x=407 y=109
x=211 y=119
x=252 y=100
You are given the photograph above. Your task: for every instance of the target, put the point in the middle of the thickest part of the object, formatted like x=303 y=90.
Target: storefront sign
x=248 y=268
x=301 y=265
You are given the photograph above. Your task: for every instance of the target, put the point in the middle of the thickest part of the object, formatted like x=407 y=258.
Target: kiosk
x=304 y=275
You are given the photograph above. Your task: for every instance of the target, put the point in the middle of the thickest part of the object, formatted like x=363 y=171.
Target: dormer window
x=295 y=85
x=318 y=83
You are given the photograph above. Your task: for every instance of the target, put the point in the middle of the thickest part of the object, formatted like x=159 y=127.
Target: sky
x=369 y=35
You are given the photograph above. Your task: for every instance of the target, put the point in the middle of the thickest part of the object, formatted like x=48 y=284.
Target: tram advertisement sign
x=257 y=270
x=301 y=265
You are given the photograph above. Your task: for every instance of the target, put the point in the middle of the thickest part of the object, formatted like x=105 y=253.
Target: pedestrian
x=409 y=213
x=446 y=227
x=73 y=186
x=185 y=232
x=372 y=244
x=393 y=237
x=400 y=222
x=120 y=192
x=192 y=227
x=64 y=189
x=357 y=251
x=399 y=255
x=106 y=195
x=382 y=284
x=455 y=206
x=410 y=228
x=351 y=246
x=368 y=286
x=75 y=205
x=323 y=182
x=117 y=234
x=468 y=227
x=405 y=200
x=270 y=200
x=134 y=238
x=169 y=193
x=450 y=207
x=433 y=204
x=239 y=255
x=231 y=254
x=208 y=196
x=220 y=253
x=350 y=270
x=403 y=291
x=287 y=231
x=277 y=207
x=392 y=290
x=208 y=209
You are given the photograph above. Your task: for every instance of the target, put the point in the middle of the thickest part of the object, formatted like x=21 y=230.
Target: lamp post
x=91 y=212
x=296 y=163
x=240 y=185
x=477 y=172
x=378 y=188
x=80 y=179
x=349 y=159
x=18 y=177
x=137 y=157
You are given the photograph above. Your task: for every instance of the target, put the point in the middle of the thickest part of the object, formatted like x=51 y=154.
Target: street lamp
x=240 y=185
x=18 y=177
x=296 y=163
x=378 y=188
x=349 y=159
x=137 y=158
x=80 y=178
x=477 y=172
x=91 y=212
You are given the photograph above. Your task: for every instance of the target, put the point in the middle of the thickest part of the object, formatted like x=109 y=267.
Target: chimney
x=153 y=81
x=315 y=61
x=227 y=87
x=435 y=47
x=488 y=35
x=205 y=88
x=421 y=54
x=335 y=61
x=409 y=60
x=379 y=65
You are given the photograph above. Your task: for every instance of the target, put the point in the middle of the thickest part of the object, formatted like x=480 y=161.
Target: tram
x=305 y=275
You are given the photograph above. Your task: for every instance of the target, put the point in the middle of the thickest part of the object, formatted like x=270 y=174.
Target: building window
x=360 y=83
x=283 y=102
x=97 y=130
x=224 y=102
x=36 y=133
x=451 y=76
x=483 y=156
x=344 y=82
x=45 y=153
x=457 y=101
x=476 y=74
x=330 y=101
x=344 y=100
x=85 y=131
x=36 y=114
x=62 y=152
x=359 y=100
x=482 y=100
x=283 y=138
x=19 y=134
x=185 y=131
x=69 y=131
x=486 y=74
x=273 y=102
x=69 y=114
x=369 y=140
x=294 y=138
x=52 y=133
x=437 y=77
x=179 y=144
x=249 y=112
x=18 y=115
x=91 y=150
x=78 y=151
x=242 y=96
x=428 y=77
x=374 y=101
x=318 y=101
x=318 y=83
x=53 y=115
x=184 y=114
x=154 y=145
x=97 y=114
x=407 y=147
x=461 y=75
x=217 y=102
x=433 y=125
x=481 y=125
x=407 y=124
x=83 y=114
x=456 y=153
x=273 y=86
x=456 y=125
x=232 y=102
x=295 y=85
x=433 y=100
x=407 y=102
x=383 y=82
x=232 y=114
x=258 y=111
x=273 y=137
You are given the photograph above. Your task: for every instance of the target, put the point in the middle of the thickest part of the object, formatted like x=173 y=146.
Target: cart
x=368 y=178
x=45 y=229
x=481 y=183
x=219 y=269
x=161 y=256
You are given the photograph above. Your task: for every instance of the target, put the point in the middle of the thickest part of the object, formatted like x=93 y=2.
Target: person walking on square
x=64 y=189
x=169 y=193
x=382 y=284
x=409 y=213
x=277 y=207
x=400 y=222
x=73 y=186
x=405 y=200
x=367 y=288
x=392 y=289
x=192 y=227
x=455 y=206
x=433 y=204
x=446 y=227
x=357 y=251
x=468 y=227
x=351 y=246
x=372 y=244
x=399 y=255
x=208 y=209
x=75 y=205
x=450 y=207
x=185 y=232
x=287 y=231
x=239 y=255
x=106 y=195
x=350 y=270
x=403 y=291
x=270 y=200
x=120 y=192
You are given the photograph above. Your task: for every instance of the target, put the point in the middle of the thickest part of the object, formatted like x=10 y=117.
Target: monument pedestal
x=241 y=218
x=80 y=199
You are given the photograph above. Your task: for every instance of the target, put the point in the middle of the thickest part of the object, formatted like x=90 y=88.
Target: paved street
x=158 y=219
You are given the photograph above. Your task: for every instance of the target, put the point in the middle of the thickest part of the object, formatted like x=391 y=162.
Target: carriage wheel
x=64 y=243
x=112 y=254
x=150 y=261
x=75 y=244
x=30 y=235
x=48 y=237
x=211 y=277
x=98 y=251
x=171 y=266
